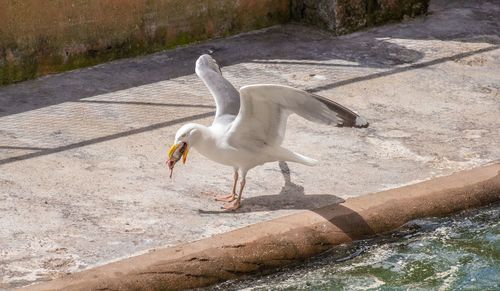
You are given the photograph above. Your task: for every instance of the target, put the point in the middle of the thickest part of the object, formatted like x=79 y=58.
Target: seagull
x=249 y=125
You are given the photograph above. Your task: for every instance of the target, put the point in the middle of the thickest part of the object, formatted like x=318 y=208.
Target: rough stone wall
x=42 y=37
x=344 y=16
x=317 y=12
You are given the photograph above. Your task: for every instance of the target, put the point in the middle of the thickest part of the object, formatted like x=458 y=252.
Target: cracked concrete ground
x=82 y=175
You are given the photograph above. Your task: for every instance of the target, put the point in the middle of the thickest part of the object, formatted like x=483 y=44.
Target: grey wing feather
x=310 y=106
x=347 y=117
x=265 y=108
x=227 y=98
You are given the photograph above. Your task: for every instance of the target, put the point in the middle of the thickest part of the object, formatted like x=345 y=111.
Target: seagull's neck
x=203 y=136
x=210 y=142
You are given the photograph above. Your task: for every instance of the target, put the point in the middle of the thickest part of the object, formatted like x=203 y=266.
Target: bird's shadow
x=291 y=196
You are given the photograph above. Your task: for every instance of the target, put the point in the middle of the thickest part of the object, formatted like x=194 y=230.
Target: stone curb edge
x=287 y=239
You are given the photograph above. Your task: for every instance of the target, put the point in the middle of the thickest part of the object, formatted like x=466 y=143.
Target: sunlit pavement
x=82 y=173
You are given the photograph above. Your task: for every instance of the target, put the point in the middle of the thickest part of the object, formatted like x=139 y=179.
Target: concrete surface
x=82 y=176
x=285 y=240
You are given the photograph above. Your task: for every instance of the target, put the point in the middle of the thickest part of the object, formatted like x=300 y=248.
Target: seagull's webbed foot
x=226 y=198
x=232 y=206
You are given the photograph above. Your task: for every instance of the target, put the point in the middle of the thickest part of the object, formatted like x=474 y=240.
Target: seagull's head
x=206 y=61
x=184 y=139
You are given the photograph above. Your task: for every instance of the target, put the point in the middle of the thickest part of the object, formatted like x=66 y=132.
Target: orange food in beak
x=175 y=153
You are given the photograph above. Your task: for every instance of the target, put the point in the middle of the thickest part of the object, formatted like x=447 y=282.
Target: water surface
x=461 y=252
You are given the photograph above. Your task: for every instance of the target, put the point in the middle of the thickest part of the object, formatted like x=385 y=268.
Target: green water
x=461 y=252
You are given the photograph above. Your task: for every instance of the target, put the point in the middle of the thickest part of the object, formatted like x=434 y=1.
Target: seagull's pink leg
x=232 y=196
x=234 y=205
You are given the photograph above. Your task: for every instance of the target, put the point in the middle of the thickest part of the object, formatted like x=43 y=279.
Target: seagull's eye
x=184 y=135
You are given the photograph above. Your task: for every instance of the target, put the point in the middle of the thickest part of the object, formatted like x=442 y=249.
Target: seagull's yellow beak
x=185 y=154
x=172 y=149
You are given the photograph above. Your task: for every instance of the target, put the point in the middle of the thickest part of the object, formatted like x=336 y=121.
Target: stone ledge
x=344 y=16
x=281 y=241
x=39 y=37
x=43 y=37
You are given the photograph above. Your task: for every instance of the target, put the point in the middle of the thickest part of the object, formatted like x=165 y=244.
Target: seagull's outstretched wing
x=265 y=109
x=226 y=96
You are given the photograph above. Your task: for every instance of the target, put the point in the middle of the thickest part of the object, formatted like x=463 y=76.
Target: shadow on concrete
x=205 y=115
x=471 y=22
x=292 y=196
x=278 y=43
x=303 y=63
x=105 y=138
x=349 y=221
x=402 y=69
x=287 y=44
x=145 y=103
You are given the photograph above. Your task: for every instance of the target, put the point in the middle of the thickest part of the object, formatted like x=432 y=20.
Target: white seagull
x=249 y=125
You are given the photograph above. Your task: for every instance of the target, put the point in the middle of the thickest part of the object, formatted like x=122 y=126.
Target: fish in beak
x=175 y=153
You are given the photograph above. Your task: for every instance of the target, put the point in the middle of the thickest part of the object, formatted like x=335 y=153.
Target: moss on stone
x=134 y=28
x=28 y=50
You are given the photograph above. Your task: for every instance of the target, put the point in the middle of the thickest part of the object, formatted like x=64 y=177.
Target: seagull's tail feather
x=301 y=159
x=305 y=160
x=283 y=154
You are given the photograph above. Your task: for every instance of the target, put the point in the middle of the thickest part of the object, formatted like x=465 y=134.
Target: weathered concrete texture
x=344 y=16
x=288 y=239
x=82 y=173
x=42 y=37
